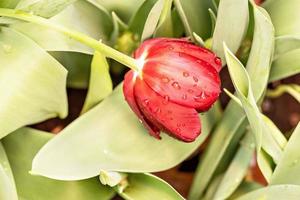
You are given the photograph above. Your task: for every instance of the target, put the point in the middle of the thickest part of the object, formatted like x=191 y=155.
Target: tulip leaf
x=8 y=3
x=32 y=86
x=107 y=145
x=148 y=187
x=274 y=192
x=44 y=8
x=100 y=82
x=284 y=24
x=80 y=16
x=287 y=170
x=232 y=125
x=237 y=169
x=285 y=65
x=231 y=26
x=244 y=188
x=165 y=25
x=7 y=184
x=78 y=66
x=285 y=44
x=21 y=146
x=195 y=17
x=152 y=19
x=138 y=19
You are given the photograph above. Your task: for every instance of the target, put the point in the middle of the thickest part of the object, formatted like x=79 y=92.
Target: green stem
x=85 y=39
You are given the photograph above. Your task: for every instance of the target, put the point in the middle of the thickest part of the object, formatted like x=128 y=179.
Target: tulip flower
x=176 y=80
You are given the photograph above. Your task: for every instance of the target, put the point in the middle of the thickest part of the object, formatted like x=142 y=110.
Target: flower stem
x=83 y=38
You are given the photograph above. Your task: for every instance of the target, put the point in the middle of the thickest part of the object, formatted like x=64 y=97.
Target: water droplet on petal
x=176 y=85
x=146 y=102
x=178 y=129
x=171 y=48
x=165 y=79
x=166 y=99
x=178 y=125
x=218 y=61
x=195 y=79
x=184 y=97
x=185 y=74
x=191 y=91
x=195 y=85
x=157 y=110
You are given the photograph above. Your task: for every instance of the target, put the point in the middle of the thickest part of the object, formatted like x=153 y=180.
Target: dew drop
x=178 y=129
x=146 y=102
x=195 y=79
x=165 y=79
x=185 y=74
x=171 y=48
x=176 y=85
x=190 y=91
x=166 y=99
x=178 y=125
x=195 y=85
x=157 y=110
x=184 y=97
x=218 y=61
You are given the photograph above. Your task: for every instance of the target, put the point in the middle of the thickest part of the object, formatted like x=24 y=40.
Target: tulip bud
x=176 y=80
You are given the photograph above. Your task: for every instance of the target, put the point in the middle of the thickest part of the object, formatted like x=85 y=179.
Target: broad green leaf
x=100 y=82
x=178 y=30
x=237 y=169
x=148 y=187
x=80 y=16
x=291 y=89
x=44 y=8
x=124 y=9
x=138 y=20
x=285 y=44
x=231 y=26
x=285 y=24
x=7 y=184
x=32 y=84
x=195 y=17
x=285 y=65
x=275 y=192
x=287 y=170
x=78 y=66
x=244 y=188
x=8 y=3
x=21 y=146
x=106 y=135
x=212 y=188
x=233 y=121
x=152 y=19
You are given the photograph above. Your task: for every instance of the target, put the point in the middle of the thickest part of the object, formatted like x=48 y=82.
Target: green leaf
x=106 y=135
x=138 y=20
x=237 y=169
x=21 y=146
x=8 y=3
x=148 y=187
x=232 y=125
x=80 y=16
x=284 y=24
x=195 y=17
x=7 y=184
x=287 y=170
x=285 y=65
x=285 y=44
x=231 y=26
x=78 y=66
x=32 y=84
x=275 y=192
x=100 y=82
x=152 y=19
x=44 y=8
x=244 y=188
x=165 y=25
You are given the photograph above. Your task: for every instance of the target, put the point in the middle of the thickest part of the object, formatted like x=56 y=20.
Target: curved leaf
x=21 y=146
x=231 y=26
x=148 y=187
x=7 y=184
x=80 y=16
x=285 y=44
x=32 y=87
x=106 y=135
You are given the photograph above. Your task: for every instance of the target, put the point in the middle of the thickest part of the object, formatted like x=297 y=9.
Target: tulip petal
x=162 y=45
x=185 y=79
x=128 y=90
x=178 y=121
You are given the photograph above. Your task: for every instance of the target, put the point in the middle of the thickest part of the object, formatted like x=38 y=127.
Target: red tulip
x=176 y=79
